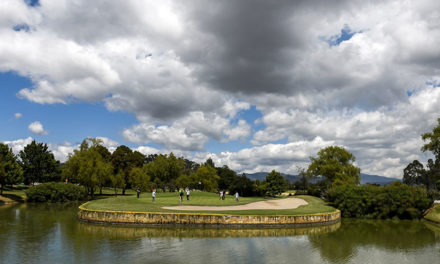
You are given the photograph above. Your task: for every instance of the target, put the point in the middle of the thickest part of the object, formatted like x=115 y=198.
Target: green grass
x=16 y=193
x=434 y=214
x=145 y=204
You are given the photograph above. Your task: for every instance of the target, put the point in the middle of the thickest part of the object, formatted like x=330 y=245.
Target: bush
x=397 y=200
x=55 y=192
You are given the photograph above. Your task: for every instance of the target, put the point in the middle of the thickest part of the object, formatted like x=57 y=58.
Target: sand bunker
x=288 y=203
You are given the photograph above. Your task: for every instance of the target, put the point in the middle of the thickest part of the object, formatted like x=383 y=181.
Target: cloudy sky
x=256 y=85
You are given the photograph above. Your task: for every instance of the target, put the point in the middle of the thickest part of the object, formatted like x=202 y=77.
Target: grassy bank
x=145 y=204
x=434 y=214
x=15 y=194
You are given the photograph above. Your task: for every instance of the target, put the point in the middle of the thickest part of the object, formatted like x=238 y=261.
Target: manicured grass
x=434 y=214
x=16 y=193
x=145 y=204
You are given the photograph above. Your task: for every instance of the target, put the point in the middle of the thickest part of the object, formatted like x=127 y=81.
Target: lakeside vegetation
x=197 y=198
x=97 y=170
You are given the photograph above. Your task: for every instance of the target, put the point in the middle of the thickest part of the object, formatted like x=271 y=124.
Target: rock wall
x=154 y=218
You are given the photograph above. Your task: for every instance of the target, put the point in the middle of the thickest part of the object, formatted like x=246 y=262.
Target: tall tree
x=276 y=184
x=39 y=164
x=10 y=170
x=335 y=164
x=207 y=176
x=243 y=185
x=433 y=139
x=139 y=179
x=87 y=167
x=414 y=173
x=122 y=159
x=227 y=177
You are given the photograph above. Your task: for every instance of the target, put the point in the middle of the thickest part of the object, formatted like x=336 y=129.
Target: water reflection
x=393 y=236
x=52 y=234
x=124 y=232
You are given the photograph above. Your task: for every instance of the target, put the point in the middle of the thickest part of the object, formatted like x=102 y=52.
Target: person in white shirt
x=154 y=195
x=187 y=194
x=236 y=196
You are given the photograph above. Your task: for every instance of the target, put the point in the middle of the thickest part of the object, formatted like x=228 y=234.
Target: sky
x=256 y=85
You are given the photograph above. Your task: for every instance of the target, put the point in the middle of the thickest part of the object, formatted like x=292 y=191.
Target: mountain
x=365 y=178
x=375 y=179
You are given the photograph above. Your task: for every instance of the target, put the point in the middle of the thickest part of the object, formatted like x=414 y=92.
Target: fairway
x=145 y=204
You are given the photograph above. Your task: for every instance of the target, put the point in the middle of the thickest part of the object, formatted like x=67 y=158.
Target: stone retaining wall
x=155 y=218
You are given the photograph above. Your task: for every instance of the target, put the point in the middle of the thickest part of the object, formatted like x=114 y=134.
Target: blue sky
x=255 y=89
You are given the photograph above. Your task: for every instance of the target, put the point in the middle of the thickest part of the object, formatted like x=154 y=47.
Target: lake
x=51 y=233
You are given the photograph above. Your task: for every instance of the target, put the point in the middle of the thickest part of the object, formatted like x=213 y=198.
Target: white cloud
x=37 y=128
x=186 y=69
x=281 y=157
x=18 y=115
x=18 y=144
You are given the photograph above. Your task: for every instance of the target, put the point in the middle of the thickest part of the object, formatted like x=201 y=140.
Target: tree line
x=94 y=167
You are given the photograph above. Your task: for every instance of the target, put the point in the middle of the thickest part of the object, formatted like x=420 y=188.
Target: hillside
x=365 y=178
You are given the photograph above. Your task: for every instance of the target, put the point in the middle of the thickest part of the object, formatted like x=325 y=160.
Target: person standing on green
x=154 y=195
x=181 y=196
x=187 y=194
x=138 y=192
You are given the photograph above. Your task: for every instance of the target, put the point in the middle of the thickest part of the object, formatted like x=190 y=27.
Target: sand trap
x=288 y=203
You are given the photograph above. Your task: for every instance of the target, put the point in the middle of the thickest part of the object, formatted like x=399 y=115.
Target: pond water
x=31 y=233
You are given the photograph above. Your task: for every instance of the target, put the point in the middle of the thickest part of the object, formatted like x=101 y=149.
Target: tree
x=413 y=173
x=88 y=167
x=243 y=185
x=39 y=164
x=433 y=139
x=165 y=170
x=117 y=181
x=10 y=170
x=335 y=164
x=207 y=176
x=276 y=184
x=139 y=179
x=227 y=177
x=122 y=159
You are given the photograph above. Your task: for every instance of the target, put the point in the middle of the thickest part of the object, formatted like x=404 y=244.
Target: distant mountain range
x=365 y=178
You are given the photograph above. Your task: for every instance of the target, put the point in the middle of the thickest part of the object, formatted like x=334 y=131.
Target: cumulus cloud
x=282 y=157
x=18 y=144
x=185 y=69
x=37 y=128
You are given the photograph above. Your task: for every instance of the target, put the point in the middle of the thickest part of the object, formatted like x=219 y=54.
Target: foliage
x=10 y=170
x=369 y=201
x=227 y=177
x=117 y=180
x=413 y=173
x=243 y=185
x=433 y=139
x=87 y=167
x=165 y=170
x=39 y=164
x=123 y=161
x=336 y=165
x=139 y=179
x=276 y=184
x=207 y=176
x=55 y=192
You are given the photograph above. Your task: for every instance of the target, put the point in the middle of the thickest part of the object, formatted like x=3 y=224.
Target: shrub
x=55 y=192
x=397 y=200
